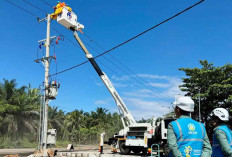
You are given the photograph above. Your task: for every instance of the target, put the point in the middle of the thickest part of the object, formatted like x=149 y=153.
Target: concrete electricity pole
x=46 y=83
x=50 y=91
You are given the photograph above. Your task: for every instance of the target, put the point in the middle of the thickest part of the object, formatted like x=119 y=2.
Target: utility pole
x=50 y=91
x=46 y=84
x=199 y=103
x=199 y=92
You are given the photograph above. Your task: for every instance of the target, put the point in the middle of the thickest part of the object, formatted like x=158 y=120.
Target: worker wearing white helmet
x=185 y=136
x=222 y=137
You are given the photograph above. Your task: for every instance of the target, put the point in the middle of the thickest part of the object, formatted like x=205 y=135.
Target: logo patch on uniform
x=191 y=128
x=188 y=151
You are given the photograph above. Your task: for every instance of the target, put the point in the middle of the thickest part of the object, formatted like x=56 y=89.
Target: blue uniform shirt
x=222 y=142
x=190 y=136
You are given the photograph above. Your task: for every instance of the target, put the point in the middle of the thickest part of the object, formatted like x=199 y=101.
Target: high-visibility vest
x=190 y=136
x=217 y=151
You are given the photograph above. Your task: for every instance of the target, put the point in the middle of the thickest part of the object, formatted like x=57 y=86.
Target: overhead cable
x=134 y=76
x=54 y=30
x=34 y=6
x=21 y=8
x=46 y=3
x=145 y=31
x=115 y=46
x=69 y=68
x=98 y=44
x=150 y=28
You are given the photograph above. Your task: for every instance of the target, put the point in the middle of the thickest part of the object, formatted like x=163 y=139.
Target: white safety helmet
x=221 y=113
x=185 y=103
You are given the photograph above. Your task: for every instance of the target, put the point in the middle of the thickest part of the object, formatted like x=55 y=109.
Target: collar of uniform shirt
x=184 y=116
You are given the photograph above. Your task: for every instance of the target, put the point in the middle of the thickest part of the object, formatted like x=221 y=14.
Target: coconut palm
x=73 y=122
x=18 y=109
x=56 y=119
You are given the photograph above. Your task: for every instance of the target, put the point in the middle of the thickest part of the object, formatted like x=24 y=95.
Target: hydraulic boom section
x=127 y=118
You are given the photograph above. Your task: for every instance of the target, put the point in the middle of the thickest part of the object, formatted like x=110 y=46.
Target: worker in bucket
x=68 y=7
x=185 y=136
x=58 y=9
x=222 y=137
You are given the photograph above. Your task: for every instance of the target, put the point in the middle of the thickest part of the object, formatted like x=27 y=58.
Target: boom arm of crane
x=124 y=112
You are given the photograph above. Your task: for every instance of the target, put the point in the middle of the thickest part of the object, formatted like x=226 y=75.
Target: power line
x=146 y=86
x=159 y=95
x=20 y=8
x=149 y=29
x=66 y=37
x=69 y=68
x=34 y=6
x=134 y=76
x=46 y=3
x=54 y=30
x=98 y=44
x=51 y=26
x=122 y=42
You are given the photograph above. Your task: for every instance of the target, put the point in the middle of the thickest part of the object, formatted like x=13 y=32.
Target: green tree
x=56 y=120
x=73 y=122
x=18 y=110
x=19 y=119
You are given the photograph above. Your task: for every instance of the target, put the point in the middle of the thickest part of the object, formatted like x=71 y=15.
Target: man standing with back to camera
x=222 y=137
x=185 y=136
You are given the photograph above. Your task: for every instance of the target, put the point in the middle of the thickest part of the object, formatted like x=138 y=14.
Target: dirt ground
x=80 y=148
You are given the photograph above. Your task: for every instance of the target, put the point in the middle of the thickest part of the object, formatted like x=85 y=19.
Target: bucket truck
x=135 y=137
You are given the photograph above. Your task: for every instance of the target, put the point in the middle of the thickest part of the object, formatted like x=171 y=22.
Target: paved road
x=27 y=151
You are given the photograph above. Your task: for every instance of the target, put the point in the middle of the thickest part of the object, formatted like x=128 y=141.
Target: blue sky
x=202 y=33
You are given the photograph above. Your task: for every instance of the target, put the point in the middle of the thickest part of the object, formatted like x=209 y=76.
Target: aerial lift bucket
x=69 y=19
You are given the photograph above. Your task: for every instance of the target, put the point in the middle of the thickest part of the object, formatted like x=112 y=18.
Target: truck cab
x=160 y=134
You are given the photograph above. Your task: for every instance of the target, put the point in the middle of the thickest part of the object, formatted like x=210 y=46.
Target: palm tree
x=18 y=107
x=56 y=119
x=73 y=122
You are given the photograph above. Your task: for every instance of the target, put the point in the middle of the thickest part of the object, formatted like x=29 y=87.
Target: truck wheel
x=136 y=150
x=144 y=151
x=166 y=149
x=124 y=149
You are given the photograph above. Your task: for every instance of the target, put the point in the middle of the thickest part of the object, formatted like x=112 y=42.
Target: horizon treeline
x=20 y=116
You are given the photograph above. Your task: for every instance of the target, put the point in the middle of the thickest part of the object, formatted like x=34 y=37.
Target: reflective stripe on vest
x=190 y=136
x=217 y=151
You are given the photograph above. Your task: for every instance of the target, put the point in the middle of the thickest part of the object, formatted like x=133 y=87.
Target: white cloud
x=123 y=78
x=152 y=99
x=115 y=82
x=145 y=93
x=152 y=76
x=103 y=102
x=99 y=84
x=118 y=85
x=160 y=85
x=146 y=109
